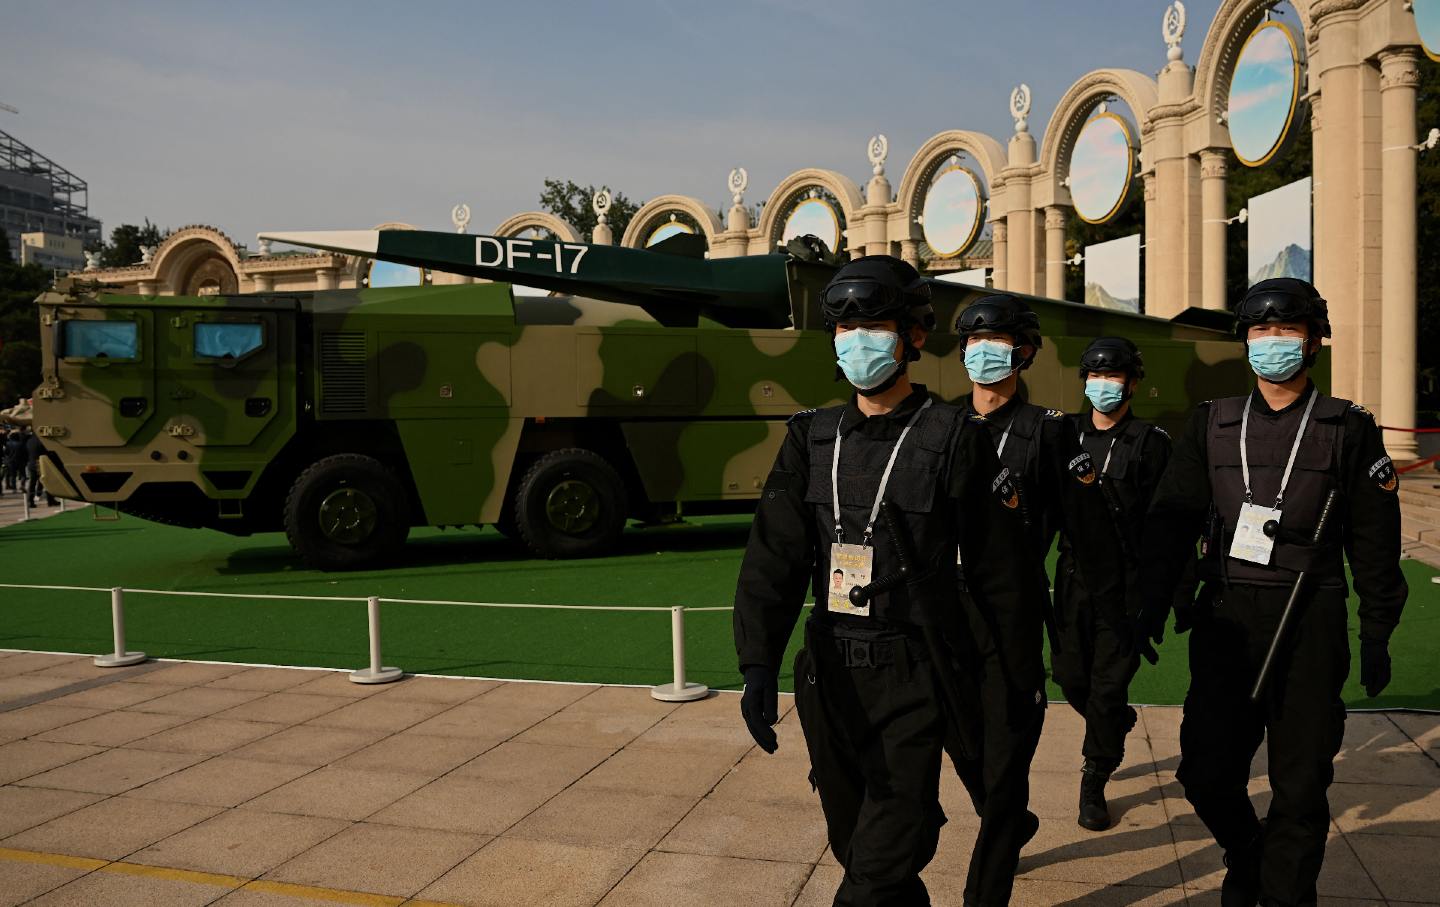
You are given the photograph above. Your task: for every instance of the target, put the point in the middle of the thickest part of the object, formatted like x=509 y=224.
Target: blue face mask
x=867 y=357
x=989 y=361
x=1105 y=395
x=1277 y=358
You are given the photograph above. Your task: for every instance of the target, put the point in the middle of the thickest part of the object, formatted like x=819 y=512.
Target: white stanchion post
x=377 y=672
x=120 y=658
x=679 y=690
x=26 y=498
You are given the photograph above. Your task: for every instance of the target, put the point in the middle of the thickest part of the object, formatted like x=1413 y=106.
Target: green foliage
x=1078 y=234
x=19 y=328
x=123 y=249
x=571 y=203
x=5 y=256
x=1243 y=183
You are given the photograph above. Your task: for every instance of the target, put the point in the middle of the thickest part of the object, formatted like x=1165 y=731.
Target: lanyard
x=1108 y=452
x=1294 y=448
x=1004 y=436
x=884 y=478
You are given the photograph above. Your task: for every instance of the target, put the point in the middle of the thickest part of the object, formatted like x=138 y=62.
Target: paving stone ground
x=191 y=783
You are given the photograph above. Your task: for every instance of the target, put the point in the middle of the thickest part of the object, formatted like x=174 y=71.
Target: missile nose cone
x=350 y=242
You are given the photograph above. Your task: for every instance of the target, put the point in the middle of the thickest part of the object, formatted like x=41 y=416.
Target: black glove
x=1374 y=666
x=1141 y=637
x=759 y=705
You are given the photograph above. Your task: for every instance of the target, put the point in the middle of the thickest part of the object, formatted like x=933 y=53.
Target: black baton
x=1288 y=614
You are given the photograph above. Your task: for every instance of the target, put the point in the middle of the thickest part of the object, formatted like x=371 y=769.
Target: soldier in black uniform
x=877 y=686
x=1058 y=492
x=1098 y=654
x=1275 y=456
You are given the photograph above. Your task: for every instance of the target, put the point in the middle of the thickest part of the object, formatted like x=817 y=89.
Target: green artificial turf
x=693 y=564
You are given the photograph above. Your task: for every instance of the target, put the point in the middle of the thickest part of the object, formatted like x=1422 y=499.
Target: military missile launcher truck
x=661 y=383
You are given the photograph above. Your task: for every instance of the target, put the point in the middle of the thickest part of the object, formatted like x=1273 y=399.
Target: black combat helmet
x=878 y=288
x=1112 y=354
x=1282 y=299
x=1003 y=314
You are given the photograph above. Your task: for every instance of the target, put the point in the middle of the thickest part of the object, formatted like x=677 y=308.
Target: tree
x=571 y=203
x=19 y=328
x=123 y=249
x=5 y=256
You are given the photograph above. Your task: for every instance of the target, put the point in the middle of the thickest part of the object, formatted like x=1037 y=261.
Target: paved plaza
x=185 y=783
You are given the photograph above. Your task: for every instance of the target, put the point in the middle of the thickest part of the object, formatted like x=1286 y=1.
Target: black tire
x=345 y=512
x=571 y=503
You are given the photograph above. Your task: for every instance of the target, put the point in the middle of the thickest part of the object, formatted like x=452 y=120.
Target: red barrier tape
x=1413 y=431
x=1409 y=467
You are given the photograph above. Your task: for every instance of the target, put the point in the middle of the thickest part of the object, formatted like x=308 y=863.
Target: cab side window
x=222 y=340
x=100 y=340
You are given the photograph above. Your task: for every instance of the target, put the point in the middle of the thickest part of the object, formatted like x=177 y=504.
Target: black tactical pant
x=1094 y=666
x=1301 y=712
x=874 y=725
x=998 y=780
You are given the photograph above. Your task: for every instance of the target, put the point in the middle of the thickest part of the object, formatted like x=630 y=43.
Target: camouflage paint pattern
x=685 y=363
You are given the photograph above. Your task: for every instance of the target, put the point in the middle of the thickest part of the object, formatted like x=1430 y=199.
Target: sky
x=295 y=116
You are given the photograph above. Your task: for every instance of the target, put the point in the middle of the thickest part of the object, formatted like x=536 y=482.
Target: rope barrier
x=678 y=691
x=1413 y=431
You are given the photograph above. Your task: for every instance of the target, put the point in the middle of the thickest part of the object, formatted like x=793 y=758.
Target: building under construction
x=37 y=195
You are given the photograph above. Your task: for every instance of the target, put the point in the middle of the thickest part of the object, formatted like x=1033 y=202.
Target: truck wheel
x=571 y=503
x=346 y=511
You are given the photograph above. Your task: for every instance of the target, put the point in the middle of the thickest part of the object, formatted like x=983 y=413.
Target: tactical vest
x=1316 y=472
x=917 y=489
x=1119 y=471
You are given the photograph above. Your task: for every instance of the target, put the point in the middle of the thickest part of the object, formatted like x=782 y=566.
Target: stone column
x=264 y=283
x=1213 y=228
x=910 y=252
x=1151 y=217
x=1399 y=77
x=999 y=272
x=1338 y=191
x=1055 y=252
x=602 y=235
x=148 y=288
x=324 y=278
x=1020 y=215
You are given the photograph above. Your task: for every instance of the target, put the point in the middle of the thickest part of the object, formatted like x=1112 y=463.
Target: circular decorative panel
x=666 y=230
x=389 y=274
x=1101 y=165
x=1264 y=93
x=953 y=210
x=816 y=217
x=1427 y=22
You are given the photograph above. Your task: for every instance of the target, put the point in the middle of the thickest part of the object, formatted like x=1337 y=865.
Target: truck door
x=220 y=375
x=99 y=387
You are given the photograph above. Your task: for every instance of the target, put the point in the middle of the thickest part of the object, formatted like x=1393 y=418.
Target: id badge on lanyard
x=1251 y=542
x=853 y=566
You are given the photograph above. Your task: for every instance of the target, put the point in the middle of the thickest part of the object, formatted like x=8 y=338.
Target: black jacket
x=1369 y=510
x=787 y=554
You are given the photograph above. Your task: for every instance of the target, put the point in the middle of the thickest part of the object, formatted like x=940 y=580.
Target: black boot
x=1094 y=812
x=1241 y=887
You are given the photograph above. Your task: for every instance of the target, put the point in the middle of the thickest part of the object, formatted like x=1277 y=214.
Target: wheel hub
x=348 y=516
x=572 y=506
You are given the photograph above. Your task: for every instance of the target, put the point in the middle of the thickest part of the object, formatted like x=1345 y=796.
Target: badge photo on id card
x=850 y=566
x=1250 y=542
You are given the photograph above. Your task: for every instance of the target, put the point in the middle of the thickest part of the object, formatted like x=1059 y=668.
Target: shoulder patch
x=976 y=418
x=1357 y=408
x=1382 y=472
x=1003 y=487
x=1054 y=414
x=803 y=412
x=1083 y=469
